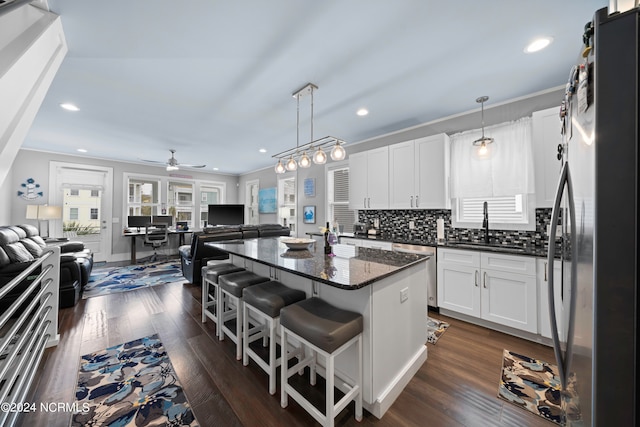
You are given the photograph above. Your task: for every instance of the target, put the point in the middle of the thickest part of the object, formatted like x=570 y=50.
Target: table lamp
x=43 y=213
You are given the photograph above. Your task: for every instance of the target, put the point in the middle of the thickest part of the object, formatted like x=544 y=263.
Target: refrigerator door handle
x=563 y=362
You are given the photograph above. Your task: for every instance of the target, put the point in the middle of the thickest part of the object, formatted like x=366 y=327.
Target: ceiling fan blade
x=152 y=161
x=193 y=166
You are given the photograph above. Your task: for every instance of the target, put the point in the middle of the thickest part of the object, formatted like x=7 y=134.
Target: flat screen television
x=225 y=214
x=139 y=221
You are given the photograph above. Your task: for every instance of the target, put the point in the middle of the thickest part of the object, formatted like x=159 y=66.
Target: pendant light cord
x=311 y=114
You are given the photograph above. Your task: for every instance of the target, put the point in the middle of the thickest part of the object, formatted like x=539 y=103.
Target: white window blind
x=502 y=210
x=338 y=199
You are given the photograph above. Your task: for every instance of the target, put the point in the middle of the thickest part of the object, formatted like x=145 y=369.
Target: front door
x=84 y=193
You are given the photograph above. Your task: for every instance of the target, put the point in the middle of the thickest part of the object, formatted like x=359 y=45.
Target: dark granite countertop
x=534 y=251
x=351 y=267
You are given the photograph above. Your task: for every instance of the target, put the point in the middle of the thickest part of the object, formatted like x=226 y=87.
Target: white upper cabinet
x=369 y=179
x=419 y=173
x=546 y=137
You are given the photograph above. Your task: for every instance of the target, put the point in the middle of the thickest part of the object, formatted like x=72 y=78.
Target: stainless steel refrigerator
x=597 y=208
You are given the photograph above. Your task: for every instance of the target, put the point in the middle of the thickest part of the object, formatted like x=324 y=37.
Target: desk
x=135 y=234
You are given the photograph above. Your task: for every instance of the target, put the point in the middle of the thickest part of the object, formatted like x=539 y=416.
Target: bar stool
x=327 y=331
x=230 y=304
x=262 y=303
x=210 y=290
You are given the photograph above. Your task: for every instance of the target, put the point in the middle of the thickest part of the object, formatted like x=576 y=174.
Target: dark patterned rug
x=109 y=280
x=435 y=329
x=131 y=384
x=531 y=384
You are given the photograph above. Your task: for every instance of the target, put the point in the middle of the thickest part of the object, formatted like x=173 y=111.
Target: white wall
x=35 y=164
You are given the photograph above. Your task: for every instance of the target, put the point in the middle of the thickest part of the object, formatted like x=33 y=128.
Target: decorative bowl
x=297 y=244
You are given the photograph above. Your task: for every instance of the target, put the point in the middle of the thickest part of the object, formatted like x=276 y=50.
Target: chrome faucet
x=485 y=222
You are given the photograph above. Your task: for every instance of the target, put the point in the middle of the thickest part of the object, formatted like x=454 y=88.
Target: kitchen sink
x=489 y=246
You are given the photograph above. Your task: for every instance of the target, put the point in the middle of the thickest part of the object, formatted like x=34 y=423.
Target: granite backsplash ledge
x=396 y=223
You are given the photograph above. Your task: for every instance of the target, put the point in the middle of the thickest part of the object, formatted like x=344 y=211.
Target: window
x=501 y=210
x=95 y=193
x=208 y=196
x=287 y=202
x=184 y=199
x=180 y=201
x=143 y=197
x=74 y=192
x=338 y=199
x=94 y=213
x=73 y=213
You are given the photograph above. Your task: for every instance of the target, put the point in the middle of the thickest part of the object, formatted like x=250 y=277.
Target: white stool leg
x=359 y=383
x=245 y=334
x=284 y=401
x=220 y=312
x=312 y=366
x=330 y=380
x=205 y=298
x=239 y=317
x=272 y=354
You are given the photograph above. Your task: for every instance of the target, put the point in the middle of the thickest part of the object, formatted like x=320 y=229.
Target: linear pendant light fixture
x=287 y=159
x=483 y=141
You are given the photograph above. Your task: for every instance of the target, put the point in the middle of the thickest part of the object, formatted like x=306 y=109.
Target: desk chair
x=155 y=235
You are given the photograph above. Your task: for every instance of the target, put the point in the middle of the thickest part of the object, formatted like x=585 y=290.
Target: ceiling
x=214 y=79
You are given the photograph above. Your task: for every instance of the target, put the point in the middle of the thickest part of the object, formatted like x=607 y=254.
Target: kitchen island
x=387 y=288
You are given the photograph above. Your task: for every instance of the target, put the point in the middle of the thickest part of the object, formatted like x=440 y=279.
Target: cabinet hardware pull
x=417 y=201
x=476 y=279
x=545 y=270
x=484 y=280
x=364 y=202
x=411 y=201
x=369 y=200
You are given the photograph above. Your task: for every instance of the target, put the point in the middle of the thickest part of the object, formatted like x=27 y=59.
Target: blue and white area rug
x=109 y=280
x=131 y=384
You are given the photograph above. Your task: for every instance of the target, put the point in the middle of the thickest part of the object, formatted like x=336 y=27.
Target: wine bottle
x=327 y=245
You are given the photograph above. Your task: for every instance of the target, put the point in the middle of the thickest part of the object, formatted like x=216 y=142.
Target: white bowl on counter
x=297 y=244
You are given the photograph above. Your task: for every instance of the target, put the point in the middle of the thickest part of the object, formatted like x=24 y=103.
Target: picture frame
x=267 y=202
x=309 y=214
x=309 y=187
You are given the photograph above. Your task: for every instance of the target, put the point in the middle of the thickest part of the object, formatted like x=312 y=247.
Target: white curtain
x=506 y=170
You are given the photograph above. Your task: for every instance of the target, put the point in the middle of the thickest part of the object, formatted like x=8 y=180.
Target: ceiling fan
x=172 y=163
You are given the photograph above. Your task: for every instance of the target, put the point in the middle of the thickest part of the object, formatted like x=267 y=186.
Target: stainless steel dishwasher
x=430 y=252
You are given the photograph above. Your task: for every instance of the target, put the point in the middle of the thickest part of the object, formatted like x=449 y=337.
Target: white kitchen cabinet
x=546 y=135
x=369 y=179
x=495 y=287
x=544 y=323
x=419 y=173
x=458 y=281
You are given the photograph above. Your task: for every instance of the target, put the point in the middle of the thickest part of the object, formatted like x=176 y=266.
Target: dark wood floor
x=457 y=385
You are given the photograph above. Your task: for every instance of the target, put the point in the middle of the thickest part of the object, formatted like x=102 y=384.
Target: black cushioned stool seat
x=262 y=304
x=234 y=283
x=211 y=273
x=270 y=297
x=230 y=304
x=327 y=331
x=322 y=324
x=214 y=271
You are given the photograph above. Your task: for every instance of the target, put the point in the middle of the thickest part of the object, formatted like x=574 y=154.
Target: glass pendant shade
x=338 y=152
x=319 y=157
x=279 y=167
x=291 y=164
x=304 y=161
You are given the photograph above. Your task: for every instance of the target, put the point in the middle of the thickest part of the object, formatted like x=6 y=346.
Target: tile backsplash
x=396 y=224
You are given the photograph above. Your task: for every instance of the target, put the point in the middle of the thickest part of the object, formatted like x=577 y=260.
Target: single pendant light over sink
x=288 y=160
x=483 y=141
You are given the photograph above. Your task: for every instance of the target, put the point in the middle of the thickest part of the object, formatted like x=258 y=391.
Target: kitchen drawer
x=509 y=263
x=459 y=256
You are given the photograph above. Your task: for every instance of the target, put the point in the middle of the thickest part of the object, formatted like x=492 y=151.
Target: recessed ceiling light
x=263 y=150
x=538 y=44
x=215 y=169
x=82 y=150
x=69 y=107
x=362 y=112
